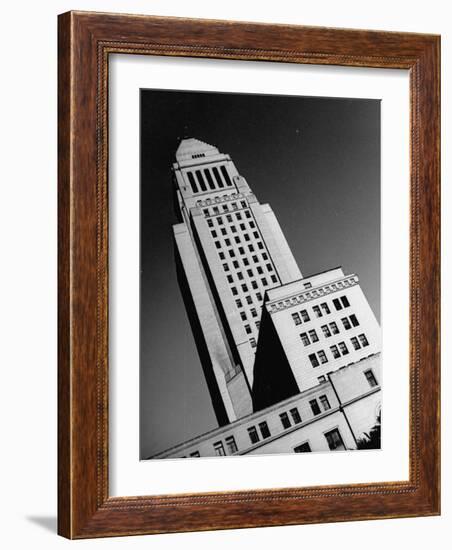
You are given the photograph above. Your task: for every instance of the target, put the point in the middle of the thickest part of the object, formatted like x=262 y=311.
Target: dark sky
x=316 y=161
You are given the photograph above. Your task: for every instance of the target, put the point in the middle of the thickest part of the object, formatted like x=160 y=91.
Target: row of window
x=249 y=271
x=224 y=230
x=220 y=220
x=338 y=350
x=215 y=210
x=310 y=336
x=319 y=311
x=333 y=438
x=205 y=179
x=239 y=216
x=318 y=406
x=241 y=249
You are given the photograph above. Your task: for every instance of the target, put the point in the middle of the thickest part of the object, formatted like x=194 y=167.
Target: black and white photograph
x=259 y=274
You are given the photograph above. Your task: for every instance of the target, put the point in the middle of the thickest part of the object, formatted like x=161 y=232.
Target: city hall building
x=292 y=363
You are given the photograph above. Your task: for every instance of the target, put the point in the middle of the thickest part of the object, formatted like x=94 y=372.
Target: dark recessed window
x=303 y=448
x=314 y=360
x=315 y=407
x=370 y=377
x=285 y=421
x=324 y=402
x=265 y=432
x=363 y=340
x=295 y=415
x=254 y=436
x=231 y=445
x=325 y=308
x=334 y=440
x=354 y=320
x=219 y=449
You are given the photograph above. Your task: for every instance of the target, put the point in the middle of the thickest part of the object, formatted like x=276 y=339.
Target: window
x=226 y=267
x=191 y=179
x=253 y=312
x=223 y=231
x=354 y=320
x=195 y=454
x=303 y=448
x=232 y=253
x=230 y=279
x=325 y=403
x=258 y=325
x=255 y=259
x=218 y=448
x=226 y=175
x=227 y=242
x=321 y=379
x=251 y=248
x=246 y=261
x=305 y=339
x=345 y=301
x=355 y=343
x=307 y=285
x=248 y=329
x=253 y=342
x=265 y=432
x=269 y=267
x=252 y=225
x=260 y=270
x=216 y=210
x=225 y=207
x=255 y=234
x=235 y=263
x=210 y=223
x=238 y=216
x=315 y=407
x=260 y=245
x=247 y=213
x=325 y=308
x=250 y=272
x=274 y=279
x=370 y=377
x=234 y=291
x=254 y=436
x=322 y=356
x=264 y=256
x=285 y=421
x=231 y=445
x=214 y=234
x=237 y=240
x=264 y=281
x=245 y=288
x=240 y=275
x=343 y=348
x=247 y=237
x=254 y=285
x=243 y=203
x=243 y=315
x=234 y=206
x=317 y=311
x=304 y=315
x=295 y=415
x=241 y=250
x=221 y=254
x=249 y=300
x=313 y=336
x=335 y=352
x=334 y=440
x=242 y=226
x=220 y=220
x=314 y=360
x=337 y=304
x=217 y=244
x=363 y=340
x=229 y=218
x=326 y=331
x=238 y=303
x=334 y=328
x=346 y=323
x=259 y=296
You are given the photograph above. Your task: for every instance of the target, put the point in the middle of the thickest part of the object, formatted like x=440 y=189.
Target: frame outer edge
x=64 y=293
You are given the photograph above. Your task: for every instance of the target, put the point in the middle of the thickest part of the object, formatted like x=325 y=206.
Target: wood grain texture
x=85 y=42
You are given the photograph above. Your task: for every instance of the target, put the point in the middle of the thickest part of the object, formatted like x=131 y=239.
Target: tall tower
x=230 y=251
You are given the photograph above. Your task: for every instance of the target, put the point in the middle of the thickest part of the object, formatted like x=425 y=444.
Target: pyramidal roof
x=192 y=146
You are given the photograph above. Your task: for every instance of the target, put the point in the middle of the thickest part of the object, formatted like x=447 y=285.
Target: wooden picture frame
x=85 y=42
